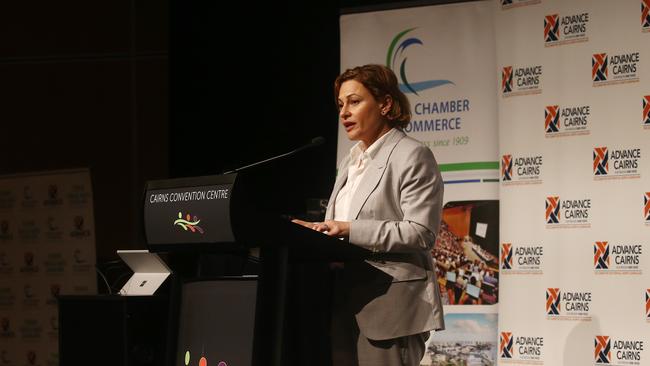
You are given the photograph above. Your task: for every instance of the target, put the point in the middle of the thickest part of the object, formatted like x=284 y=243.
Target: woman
x=387 y=198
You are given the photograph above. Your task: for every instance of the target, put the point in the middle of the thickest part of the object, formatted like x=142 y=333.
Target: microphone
x=316 y=141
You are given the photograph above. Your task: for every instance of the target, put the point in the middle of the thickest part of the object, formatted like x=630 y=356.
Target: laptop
x=149 y=272
x=451 y=276
x=451 y=279
x=488 y=288
x=473 y=291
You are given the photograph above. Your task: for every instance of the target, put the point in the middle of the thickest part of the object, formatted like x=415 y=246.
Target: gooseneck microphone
x=316 y=141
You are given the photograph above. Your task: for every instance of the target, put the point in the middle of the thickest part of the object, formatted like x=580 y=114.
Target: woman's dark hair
x=381 y=82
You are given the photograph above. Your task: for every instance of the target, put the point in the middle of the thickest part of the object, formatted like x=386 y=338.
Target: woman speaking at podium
x=387 y=198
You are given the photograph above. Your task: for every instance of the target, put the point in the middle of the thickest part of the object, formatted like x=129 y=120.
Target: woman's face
x=360 y=114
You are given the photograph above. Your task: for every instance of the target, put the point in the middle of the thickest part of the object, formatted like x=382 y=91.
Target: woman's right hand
x=318 y=226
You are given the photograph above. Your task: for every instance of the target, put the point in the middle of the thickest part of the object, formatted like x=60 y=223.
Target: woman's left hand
x=340 y=229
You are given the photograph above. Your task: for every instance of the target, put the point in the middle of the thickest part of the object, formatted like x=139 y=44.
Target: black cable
x=119 y=278
x=105 y=280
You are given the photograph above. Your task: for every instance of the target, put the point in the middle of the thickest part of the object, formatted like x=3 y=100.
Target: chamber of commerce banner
x=47 y=248
x=574 y=142
x=444 y=57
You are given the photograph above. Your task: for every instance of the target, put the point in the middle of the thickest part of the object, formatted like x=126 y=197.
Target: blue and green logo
x=396 y=53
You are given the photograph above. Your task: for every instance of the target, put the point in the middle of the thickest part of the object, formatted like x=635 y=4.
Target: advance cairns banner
x=574 y=132
x=569 y=80
x=444 y=57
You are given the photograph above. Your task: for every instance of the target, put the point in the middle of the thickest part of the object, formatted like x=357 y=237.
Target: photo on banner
x=469 y=340
x=467 y=253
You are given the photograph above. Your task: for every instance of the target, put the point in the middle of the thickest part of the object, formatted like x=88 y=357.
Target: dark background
x=149 y=89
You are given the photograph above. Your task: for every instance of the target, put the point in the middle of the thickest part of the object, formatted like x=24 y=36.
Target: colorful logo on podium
x=202 y=361
x=189 y=223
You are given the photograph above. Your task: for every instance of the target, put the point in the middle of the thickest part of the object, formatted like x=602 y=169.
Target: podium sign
x=222 y=213
x=189 y=210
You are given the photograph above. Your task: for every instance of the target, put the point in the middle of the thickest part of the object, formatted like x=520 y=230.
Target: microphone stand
x=316 y=141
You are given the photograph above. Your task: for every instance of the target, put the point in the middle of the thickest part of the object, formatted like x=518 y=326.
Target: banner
x=444 y=57
x=47 y=248
x=574 y=133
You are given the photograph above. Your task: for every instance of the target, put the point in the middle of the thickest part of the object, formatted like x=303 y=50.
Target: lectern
x=222 y=214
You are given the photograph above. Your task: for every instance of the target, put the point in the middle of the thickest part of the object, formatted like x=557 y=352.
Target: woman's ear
x=386 y=105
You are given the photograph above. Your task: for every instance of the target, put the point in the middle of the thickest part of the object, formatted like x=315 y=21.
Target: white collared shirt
x=359 y=161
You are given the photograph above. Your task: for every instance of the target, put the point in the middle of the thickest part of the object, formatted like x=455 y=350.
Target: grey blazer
x=397 y=210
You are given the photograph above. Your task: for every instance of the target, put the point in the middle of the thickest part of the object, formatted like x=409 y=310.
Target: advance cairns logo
x=567 y=213
x=646 y=208
x=616 y=163
x=647 y=305
x=617 y=258
x=645 y=16
x=566 y=121
x=429 y=115
x=514 y=349
x=618 y=351
x=521 y=259
x=568 y=305
x=561 y=30
x=520 y=170
x=521 y=80
x=607 y=69
x=646 y=111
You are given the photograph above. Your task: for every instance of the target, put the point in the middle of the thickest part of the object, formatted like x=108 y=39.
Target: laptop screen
x=473 y=291
x=451 y=276
x=149 y=272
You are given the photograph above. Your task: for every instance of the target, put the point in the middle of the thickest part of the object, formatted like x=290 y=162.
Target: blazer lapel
x=373 y=175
